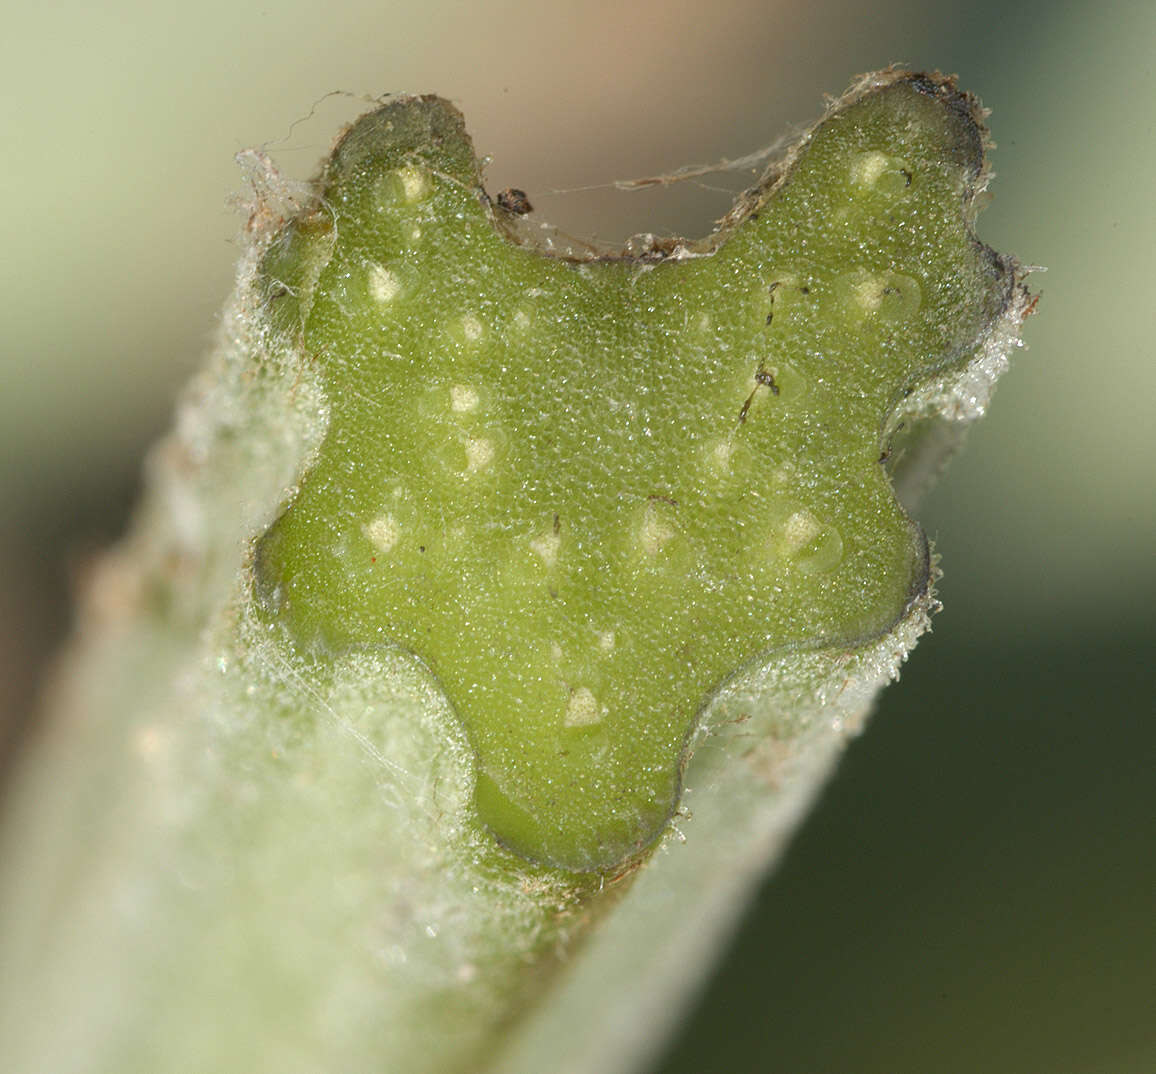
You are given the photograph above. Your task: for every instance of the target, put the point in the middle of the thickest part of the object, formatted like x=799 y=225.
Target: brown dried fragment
x=514 y=201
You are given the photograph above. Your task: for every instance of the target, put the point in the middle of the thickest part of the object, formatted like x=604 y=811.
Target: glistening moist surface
x=586 y=493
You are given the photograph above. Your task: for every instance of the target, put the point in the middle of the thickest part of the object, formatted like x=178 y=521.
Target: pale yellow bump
x=472 y=328
x=414 y=182
x=653 y=533
x=383 y=532
x=556 y=652
x=606 y=640
x=384 y=286
x=414 y=233
x=867 y=167
x=583 y=709
x=800 y=529
x=868 y=292
x=479 y=453
x=546 y=545
x=521 y=320
x=721 y=453
x=464 y=398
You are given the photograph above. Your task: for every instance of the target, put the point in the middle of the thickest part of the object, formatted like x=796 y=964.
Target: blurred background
x=977 y=890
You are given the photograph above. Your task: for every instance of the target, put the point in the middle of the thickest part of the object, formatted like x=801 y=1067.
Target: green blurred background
x=977 y=890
